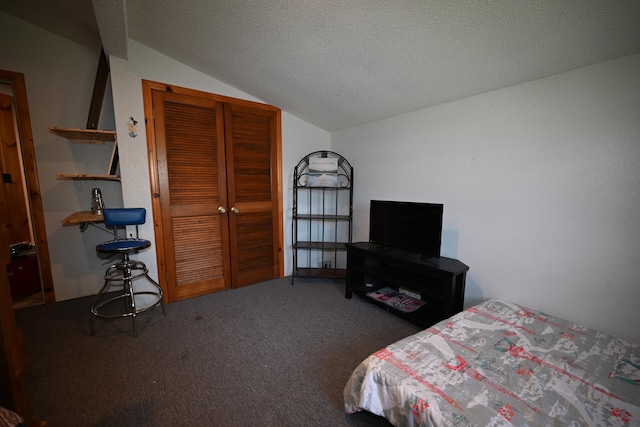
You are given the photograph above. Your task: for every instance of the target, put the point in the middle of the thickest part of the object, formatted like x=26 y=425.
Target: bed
x=501 y=364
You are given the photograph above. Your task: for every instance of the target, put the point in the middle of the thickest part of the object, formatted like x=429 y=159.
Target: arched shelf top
x=323 y=169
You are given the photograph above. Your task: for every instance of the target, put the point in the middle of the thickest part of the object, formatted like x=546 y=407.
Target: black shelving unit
x=322 y=215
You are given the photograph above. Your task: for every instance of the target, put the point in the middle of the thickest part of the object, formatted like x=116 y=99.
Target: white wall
x=298 y=137
x=541 y=187
x=59 y=78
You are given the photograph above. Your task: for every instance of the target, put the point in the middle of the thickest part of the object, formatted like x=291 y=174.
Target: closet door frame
x=147 y=88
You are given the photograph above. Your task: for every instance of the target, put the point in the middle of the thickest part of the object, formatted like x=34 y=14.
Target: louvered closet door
x=191 y=173
x=252 y=171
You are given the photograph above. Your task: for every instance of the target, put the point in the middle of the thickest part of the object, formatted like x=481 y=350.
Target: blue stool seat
x=122 y=274
x=124 y=245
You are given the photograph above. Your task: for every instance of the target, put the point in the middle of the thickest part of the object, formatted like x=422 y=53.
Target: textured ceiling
x=342 y=63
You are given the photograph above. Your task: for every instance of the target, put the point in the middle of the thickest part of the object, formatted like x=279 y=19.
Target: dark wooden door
x=216 y=191
x=251 y=135
x=192 y=181
x=12 y=195
x=30 y=177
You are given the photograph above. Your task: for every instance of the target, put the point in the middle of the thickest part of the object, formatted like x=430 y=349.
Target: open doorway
x=20 y=202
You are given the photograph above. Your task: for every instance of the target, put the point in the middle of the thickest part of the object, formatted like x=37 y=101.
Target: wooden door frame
x=12 y=355
x=147 y=95
x=16 y=80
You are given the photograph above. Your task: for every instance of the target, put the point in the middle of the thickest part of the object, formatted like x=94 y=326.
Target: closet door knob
x=222 y=210
x=235 y=210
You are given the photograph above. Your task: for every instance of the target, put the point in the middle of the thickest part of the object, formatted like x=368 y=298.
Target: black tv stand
x=439 y=281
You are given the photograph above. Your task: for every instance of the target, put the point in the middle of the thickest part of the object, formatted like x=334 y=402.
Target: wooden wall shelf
x=77 y=218
x=88 y=177
x=89 y=136
x=84 y=136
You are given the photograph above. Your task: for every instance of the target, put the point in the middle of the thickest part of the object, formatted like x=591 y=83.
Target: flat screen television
x=408 y=226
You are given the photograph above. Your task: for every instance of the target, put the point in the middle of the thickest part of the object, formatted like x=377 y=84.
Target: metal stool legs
x=121 y=275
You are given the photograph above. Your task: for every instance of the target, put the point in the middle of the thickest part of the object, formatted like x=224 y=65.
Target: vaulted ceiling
x=343 y=63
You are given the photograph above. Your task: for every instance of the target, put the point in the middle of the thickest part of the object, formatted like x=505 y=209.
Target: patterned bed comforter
x=500 y=364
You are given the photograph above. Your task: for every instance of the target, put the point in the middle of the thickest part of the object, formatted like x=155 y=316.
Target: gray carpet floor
x=270 y=354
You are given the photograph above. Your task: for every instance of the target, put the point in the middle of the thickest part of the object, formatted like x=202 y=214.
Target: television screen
x=409 y=226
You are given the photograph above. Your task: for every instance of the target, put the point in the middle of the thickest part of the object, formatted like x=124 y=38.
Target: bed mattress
x=500 y=364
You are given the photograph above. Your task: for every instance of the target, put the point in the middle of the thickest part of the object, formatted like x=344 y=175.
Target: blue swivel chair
x=123 y=273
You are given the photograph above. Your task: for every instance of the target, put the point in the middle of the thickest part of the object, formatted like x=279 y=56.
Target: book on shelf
x=397 y=300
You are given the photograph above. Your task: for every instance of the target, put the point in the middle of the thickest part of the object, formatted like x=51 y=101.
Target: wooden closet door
x=251 y=135
x=191 y=171
x=217 y=189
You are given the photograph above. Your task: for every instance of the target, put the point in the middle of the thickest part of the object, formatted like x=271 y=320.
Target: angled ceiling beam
x=99 y=88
